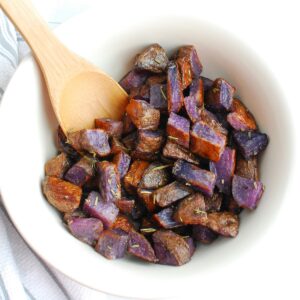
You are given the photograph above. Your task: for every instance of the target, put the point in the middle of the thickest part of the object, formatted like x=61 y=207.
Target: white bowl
x=28 y=128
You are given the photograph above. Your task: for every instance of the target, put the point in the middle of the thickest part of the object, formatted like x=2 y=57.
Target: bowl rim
x=61 y=28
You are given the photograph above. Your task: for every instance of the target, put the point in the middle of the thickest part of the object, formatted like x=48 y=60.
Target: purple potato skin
x=141 y=93
x=111 y=127
x=207 y=83
x=109 y=181
x=220 y=96
x=175 y=151
x=94 y=141
x=200 y=179
x=250 y=143
x=143 y=115
x=224 y=223
x=154 y=178
x=133 y=79
x=246 y=192
x=153 y=59
x=149 y=141
x=57 y=165
x=96 y=207
x=240 y=117
x=170 y=193
x=194 y=102
x=140 y=247
x=165 y=218
x=122 y=161
x=212 y=120
x=186 y=210
x=192 y=245
x=80 y=173
x=85 y=229
x=179 y=129
x=207 y=142
x=247 y=168
x=171 y=248
x=214 y=203
x=158 y=97
x=125 y=206
x=204 y=234
x=224 y=170
x=174 y=89
x=112 y=244
x=189 y=64
x=192 y=109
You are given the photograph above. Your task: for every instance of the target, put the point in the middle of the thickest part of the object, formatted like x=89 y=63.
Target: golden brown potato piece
x=240 y=118
x=207 y=142
x=134 y=175
x=63 y=195
x=122 y=222
x=143 y=115
x=57 y=165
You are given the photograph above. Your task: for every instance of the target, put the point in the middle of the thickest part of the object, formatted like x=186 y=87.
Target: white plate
x=27 y=134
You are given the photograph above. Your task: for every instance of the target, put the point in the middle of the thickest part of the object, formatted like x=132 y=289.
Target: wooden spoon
x=79 y=92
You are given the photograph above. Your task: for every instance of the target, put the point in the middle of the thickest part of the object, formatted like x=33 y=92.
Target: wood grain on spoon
x=79 y=92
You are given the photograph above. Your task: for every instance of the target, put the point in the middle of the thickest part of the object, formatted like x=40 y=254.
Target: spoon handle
x=47 y=49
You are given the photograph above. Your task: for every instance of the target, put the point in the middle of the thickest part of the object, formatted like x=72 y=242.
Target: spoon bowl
x=79 y=92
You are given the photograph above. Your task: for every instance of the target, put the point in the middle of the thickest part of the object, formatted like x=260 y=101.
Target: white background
x=272 y=28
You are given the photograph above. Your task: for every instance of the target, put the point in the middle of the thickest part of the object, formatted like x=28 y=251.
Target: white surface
x=269 y=261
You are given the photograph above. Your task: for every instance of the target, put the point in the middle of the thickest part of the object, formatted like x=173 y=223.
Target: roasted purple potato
x=240 y=118
x=165 y=218
x=224 y=170
x=149 y=141
x=134 y=175
x=63 y=195
x=175 y=151
x=155 y=176
x=189 y=65
x=112 y=243
x=143 y=115
x=158 y=97
x=207 y=142
x=250 y=143
x=86 y=229
x=220 y=95
x=170 y=193
x=122 y=161
x=174 y=89
x=109 y=181
x=204 y=234
x=133 y=79
x=199 y=179
x=57 y=165
x=178 y=129
x=96 y=207
x=194 y=102
x=140 y=247
x=176 y=170
x=81 y=172
x=111 y=127
x=246 y=192
x=95 y=141
x=153 y=59
x=171 y=248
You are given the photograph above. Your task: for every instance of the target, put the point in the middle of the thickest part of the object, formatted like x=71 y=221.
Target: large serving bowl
x=27 y=140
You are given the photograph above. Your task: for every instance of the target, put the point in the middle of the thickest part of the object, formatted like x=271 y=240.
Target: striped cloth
x=23 y=275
